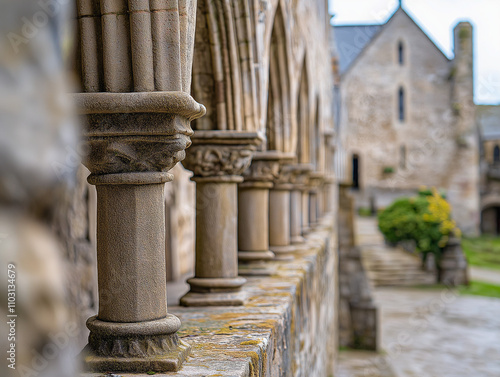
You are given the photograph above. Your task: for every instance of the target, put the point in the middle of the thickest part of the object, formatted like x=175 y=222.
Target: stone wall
x=358 y=318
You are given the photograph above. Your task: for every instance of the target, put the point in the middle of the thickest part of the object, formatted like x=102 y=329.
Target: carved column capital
x=220 y=156
x=300 y=176
x=263 y=171
x=136 y=132
x=284 y=178
x=316 y=179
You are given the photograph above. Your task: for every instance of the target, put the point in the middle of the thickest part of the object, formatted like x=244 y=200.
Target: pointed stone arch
x=303 y=110
x=316 y=136
x=278 y=122
x=223 y=75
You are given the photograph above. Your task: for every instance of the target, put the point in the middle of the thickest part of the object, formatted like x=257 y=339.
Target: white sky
x=437 y=18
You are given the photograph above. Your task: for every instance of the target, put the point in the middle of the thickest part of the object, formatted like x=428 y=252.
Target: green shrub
x=388 y=170
x=425 y=219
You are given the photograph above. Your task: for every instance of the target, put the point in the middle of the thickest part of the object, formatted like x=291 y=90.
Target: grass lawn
x=478 y=288
x=482 y=251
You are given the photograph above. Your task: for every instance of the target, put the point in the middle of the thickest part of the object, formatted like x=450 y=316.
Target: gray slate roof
x=488 y=121
x=351 y=40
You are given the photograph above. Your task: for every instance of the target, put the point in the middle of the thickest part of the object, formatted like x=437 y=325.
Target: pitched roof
x=352 y=40
x=488 y=121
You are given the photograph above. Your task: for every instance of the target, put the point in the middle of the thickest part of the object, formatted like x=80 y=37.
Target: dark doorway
x=496 y=154
x=490 y=221
x=355 y=172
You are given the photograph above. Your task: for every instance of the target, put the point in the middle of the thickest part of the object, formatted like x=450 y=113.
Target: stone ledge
x=287 y=328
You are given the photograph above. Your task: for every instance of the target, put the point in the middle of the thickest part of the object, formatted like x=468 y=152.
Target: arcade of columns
x=250 y=77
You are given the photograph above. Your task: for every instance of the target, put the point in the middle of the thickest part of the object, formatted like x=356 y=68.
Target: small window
x=496 y=154
x=402 y=157
x=401 y=53
x=401 y=104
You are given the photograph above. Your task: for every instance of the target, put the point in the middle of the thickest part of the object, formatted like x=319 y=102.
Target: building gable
x=354 y=40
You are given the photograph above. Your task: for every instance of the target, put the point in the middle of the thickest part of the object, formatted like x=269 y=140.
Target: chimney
x=463 y=76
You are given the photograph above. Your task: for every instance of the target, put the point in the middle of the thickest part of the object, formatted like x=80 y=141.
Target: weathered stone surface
x=284 y=329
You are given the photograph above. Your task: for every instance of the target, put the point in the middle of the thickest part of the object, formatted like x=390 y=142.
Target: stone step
x=389 y=267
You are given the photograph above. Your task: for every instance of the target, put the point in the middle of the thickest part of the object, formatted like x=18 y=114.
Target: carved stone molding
x=220 y=154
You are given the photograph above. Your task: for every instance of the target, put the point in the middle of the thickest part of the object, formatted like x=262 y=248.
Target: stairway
x=391 y=266
x=388 y=266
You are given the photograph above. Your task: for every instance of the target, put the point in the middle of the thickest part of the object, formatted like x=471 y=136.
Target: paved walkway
x=429 y=332
x=484 y=274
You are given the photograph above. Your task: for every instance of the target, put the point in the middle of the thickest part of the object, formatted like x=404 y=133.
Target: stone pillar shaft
x=253 y=208
x=253 y=223
x=279 y=217
x=130 y=229
x=216 y=230
x=296 y=216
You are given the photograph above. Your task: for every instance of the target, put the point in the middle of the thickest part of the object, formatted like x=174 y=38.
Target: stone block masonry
x=287 y=327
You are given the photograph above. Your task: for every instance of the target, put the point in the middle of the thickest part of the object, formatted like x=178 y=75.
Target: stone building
x=488 y=122
x=249 y=216
x=407 y=116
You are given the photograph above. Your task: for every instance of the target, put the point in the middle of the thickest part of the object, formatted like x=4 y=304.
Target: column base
x=258 y=269
x=215 y=292
x=214 y=299
x=252 y=256
x=298 y=240
x=135 y=347
x=288 y=252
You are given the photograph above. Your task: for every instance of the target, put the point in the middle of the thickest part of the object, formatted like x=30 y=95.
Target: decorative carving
x=262 y=171
x=135 y=154
x=285 y=175
x=136 y=132
x=221 y=153
x=133 y=346
x=218 y=160
x=315 y=180
x=300 y=175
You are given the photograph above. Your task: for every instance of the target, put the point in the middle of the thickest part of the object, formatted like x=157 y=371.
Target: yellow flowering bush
x=426 y=219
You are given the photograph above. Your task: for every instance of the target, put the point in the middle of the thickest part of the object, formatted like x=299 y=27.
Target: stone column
x=134 y=139
x=306 y=227
x=218 y=159
x=253 y=209
x=279 y=210
x=299 y=179
x=328 y=192
x=315 y=180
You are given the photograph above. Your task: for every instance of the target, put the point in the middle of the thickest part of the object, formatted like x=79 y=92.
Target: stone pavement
x=429 y=332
